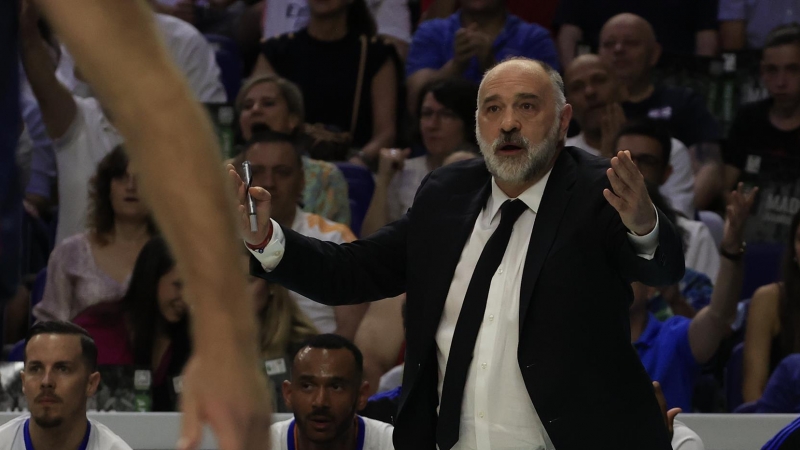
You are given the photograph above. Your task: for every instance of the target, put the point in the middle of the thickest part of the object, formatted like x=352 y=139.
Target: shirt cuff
x=271 y=255
x=646 y=245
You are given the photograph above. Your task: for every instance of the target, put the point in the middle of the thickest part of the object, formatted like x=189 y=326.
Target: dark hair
x=457 y=95
x=335 y=342
x=266 y=136
x=790 y=295
x=652 y=129
x=88 y=347
x=140 y=302
x=360 y=20
x=100 y=218
x=783 y=35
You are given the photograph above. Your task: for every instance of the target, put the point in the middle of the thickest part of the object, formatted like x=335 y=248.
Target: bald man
x=628 y=45
x=595 y=94
x=517 y=271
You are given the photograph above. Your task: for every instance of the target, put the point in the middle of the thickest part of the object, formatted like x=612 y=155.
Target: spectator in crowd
x=673 y=351
x=277 y=166
x=782 y=392
x=540 y=12
x=359 y=92
x=59 y=376
x=745 y=24
x=95 y=266
x=773 y=322
x=283 y=326
x=683 y=27
x=381 y=338
x=392 y=17
x=628 y=45
x=446 y=114
x=650 y=145
x=272 y=102
x=762 y=146
x=786 y=439
x=326 y=391
x=471 y=41
x=189 y=50
x=596 y=95
x=149 y=327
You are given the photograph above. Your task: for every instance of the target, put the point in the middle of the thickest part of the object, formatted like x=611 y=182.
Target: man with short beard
x=517 y=273
x=60 y=374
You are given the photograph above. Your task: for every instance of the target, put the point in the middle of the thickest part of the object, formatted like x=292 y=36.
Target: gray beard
x=520 y=168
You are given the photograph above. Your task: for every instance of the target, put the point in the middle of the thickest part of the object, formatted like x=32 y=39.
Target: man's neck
x=640 y=90
x=128 y=231
x=785 y=115
x=347 y=441
x=331 y=28
x=490 y=22
x=67 y=436
x=639 y=320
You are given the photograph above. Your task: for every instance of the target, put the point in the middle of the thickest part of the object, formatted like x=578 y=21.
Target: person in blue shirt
x=471 y=41
x=786 y=439
x=782 y=393
x=673 y=351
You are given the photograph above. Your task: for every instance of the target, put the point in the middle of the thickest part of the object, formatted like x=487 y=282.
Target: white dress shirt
x=497 y=412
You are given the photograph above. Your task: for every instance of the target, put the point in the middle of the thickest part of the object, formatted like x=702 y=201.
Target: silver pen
x=251 y=204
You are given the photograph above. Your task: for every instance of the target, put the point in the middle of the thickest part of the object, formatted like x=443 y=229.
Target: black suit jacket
x=581 y=372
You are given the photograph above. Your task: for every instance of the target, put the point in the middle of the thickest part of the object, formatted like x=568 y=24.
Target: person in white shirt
x=326 y=391
x=595 y=94
x=277 y=166
x=59 y=375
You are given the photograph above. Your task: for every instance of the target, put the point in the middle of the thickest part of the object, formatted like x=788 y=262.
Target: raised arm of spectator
x=708 y=174
x=55 y=101
x=384 y=109
x=173 y=145
x=567 y=42
x=391 y=160
x=732 y=25
x=712 y=323
x=380 y=338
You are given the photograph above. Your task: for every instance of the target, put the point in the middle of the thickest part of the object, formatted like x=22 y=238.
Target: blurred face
x=125 y=200
x=474 y=6
x=265 y=105
x=276 y=169
x=170 y=300
x=325 y=394
x=323 y=8
x=628 y=47
x=442 y=130
x=646 y=153
x=780 y=72
x=518 y=129
x=590 y=88
x=56 y=381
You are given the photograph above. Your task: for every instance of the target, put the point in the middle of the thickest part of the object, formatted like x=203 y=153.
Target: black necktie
x=469 y=323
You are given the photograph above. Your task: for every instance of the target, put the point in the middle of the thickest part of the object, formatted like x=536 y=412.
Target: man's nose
x=320 y=399
x=510 y=122
x=47 y=379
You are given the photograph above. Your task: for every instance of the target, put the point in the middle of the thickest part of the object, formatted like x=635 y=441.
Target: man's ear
x=93 y=384
x=656 y=55
x=566 y=117
x=286 y=390
x=363 y=395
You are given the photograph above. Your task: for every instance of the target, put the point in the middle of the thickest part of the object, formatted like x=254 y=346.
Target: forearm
x=567 y=42
x=348 y=318
x=708 y=185
x=382 y=139
x=422 y=77
x=712 y=324
x=180 y=178
x=378 y=213
x=55 y=101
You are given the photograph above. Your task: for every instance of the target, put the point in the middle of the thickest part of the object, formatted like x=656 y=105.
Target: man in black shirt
x=683 y=27
x=763 y=146
x=628 y=45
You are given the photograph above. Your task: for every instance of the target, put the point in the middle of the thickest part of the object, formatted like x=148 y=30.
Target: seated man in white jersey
x=59 y=375
x=326 y=390
x=277 y=166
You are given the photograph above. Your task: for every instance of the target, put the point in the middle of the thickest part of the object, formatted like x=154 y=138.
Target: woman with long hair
x=773 y=321
x=275 y=103
x=149 y=328
x=95 y=266
x=344 y=70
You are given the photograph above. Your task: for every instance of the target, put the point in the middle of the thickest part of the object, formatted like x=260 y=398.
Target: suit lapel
x=554 y=202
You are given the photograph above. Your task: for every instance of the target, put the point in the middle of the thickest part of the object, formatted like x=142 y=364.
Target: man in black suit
x=517 y=335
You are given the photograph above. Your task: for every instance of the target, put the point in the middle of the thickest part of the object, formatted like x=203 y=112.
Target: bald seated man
x=628 y=45
x=517 y=271
x=595 y=94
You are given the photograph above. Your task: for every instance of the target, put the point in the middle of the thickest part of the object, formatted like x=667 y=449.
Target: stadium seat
x=229 y=62
x=360 y=186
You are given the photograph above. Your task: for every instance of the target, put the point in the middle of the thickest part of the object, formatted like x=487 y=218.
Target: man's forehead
x=514 y=77
x=324 y=363
x=585 y=65
x=628 y=25
x=54 y=347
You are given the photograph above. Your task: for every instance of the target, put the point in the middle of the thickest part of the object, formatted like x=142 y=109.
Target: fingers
x=191 y=424
x=621 y=190
x=626 y=168
x=615 y=201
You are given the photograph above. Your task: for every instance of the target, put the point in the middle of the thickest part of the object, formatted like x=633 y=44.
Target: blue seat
x=733 y=377
x=762 y=265
x=360 y=186
x=230 y=63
